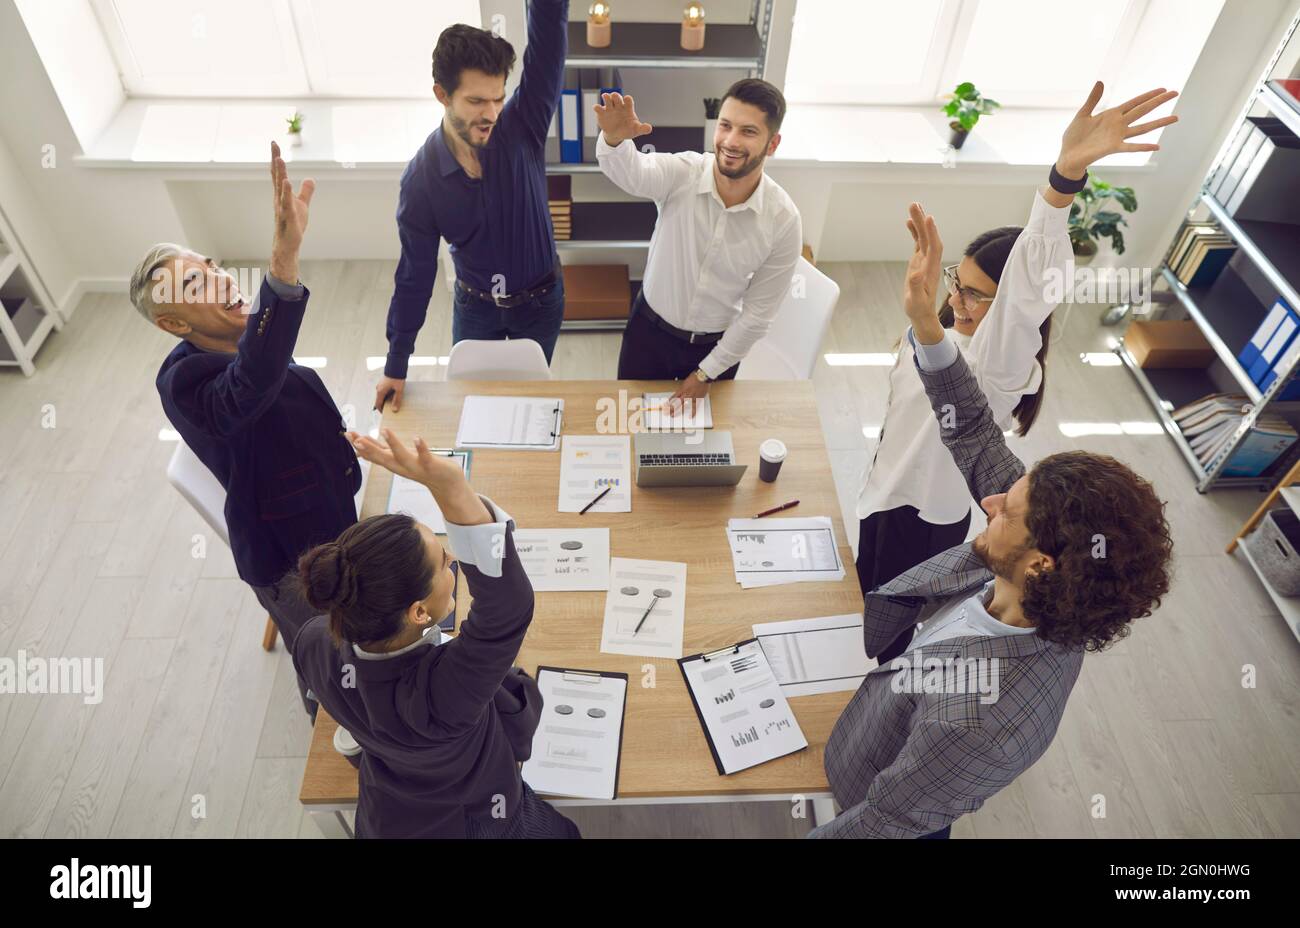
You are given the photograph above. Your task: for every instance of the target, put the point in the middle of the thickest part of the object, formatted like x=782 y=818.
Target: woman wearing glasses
x=914 y=503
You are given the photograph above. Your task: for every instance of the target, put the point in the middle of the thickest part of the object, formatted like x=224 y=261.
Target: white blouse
x=911 y=466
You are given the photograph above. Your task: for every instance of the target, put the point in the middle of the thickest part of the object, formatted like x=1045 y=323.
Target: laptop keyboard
x=663 y=460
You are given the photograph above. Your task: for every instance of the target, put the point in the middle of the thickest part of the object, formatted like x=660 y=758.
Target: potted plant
x=964 y=108
x=712 y=106
x=1091 y=219
x=295 y=128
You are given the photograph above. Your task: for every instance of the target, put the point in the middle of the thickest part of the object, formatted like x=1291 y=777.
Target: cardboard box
x=1167 y=344
x=597 y=291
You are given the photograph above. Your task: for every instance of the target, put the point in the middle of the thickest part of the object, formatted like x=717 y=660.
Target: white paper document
x=633 y=587
x=416 y=501
x=769 y=551
x=519 y=423
x=810 y=656
x=591 y=463
x=576 y=745
x=657 y=417
x=746 y=717
x=565 y=558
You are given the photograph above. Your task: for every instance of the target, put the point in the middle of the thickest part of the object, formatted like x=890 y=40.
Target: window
x=278 y=48
x=1022 y=53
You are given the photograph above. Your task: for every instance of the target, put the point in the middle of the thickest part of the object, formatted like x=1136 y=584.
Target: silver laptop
x=700 y=458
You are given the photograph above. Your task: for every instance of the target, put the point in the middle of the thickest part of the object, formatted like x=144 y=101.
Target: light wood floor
x=201 y=733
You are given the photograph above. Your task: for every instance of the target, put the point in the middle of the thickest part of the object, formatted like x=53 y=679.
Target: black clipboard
x=728 y=651
x=622 y=719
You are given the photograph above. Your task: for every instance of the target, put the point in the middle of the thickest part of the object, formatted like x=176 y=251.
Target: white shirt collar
x=708 y=184
x=427 y=637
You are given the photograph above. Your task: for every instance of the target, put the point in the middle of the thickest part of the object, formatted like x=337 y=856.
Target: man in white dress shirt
x=723 y=249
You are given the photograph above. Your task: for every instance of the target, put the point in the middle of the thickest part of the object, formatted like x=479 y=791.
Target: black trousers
x=650 y=353
x=894 y=541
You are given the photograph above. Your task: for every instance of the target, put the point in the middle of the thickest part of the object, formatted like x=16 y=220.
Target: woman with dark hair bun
x=442 y=723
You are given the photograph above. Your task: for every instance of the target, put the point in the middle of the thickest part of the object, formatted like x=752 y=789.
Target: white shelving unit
x=1227 y=312
x=1289 y=606
x=1287 y=491
x=28 y=314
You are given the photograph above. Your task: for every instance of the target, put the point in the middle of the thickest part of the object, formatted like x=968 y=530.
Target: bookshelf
x=1228 y=310
x=613 y=229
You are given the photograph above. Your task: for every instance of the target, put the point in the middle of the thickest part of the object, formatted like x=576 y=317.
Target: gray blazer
x=904 y=764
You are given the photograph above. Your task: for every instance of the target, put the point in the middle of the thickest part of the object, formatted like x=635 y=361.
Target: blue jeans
x=538 y=319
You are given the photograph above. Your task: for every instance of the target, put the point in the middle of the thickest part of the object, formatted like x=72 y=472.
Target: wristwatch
x=702 y=377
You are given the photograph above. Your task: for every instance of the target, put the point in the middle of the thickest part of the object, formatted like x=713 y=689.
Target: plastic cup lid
x=773 y=449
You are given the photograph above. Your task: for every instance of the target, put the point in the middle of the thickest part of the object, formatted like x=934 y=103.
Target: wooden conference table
x=665 y=757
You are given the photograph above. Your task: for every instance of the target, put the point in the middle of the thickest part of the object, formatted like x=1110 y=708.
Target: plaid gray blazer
x=903 y=764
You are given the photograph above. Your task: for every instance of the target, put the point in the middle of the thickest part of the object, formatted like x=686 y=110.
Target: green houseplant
x=295 y=128
x=964 y=108
x=1096 y=214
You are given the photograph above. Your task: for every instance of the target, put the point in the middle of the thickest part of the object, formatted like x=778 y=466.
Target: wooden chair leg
x=269 y=636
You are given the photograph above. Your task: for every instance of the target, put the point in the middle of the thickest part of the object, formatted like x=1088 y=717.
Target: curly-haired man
x=1075 y=550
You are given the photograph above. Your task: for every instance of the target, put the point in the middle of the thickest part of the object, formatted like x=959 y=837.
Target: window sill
x=378 y=137
x=232 y=135
x=837 y=135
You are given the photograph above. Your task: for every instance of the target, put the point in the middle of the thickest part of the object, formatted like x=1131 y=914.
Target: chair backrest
x=200 y=488
x=491 y=359
x=789 y=349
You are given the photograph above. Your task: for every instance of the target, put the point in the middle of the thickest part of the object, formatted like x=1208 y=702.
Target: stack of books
x=1210 y=423
x=559 y=197
x=1201 y=251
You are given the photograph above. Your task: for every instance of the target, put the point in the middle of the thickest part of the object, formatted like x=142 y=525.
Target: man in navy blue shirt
x=479 y=181
x=266 y=428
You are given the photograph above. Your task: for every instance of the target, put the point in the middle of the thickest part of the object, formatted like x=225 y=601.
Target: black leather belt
x=691 y=338
x=511 y=300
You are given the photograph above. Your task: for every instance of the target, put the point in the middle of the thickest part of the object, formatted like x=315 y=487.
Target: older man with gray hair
x=266 y=427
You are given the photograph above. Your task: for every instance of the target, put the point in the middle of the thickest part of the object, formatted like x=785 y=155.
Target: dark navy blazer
x=442 y=727
x=270 y=432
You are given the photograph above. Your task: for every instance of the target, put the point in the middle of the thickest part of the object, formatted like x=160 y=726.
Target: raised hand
x=922 y=281
x=443 y=476
x=617 y=119
x=290 y=218
x=417 y=463
x=1092 y=136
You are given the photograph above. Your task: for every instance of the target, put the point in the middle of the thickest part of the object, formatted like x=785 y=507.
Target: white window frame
x=253 y=86
x=1116 y=55
x=943 y=61
x=301 y=50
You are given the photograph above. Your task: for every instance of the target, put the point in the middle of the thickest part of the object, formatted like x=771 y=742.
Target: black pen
x=647 y=612
x=596 y=500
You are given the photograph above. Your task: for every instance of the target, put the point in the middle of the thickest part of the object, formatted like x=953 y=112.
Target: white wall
x=99 y=223
x=92 y=224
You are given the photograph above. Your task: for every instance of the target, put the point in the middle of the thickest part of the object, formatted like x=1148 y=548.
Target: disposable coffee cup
x=771 y=454
x=346 y=745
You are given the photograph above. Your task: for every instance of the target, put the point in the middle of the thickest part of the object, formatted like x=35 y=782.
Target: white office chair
x=490 y=359
x=205 y=493
x=789 y=349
